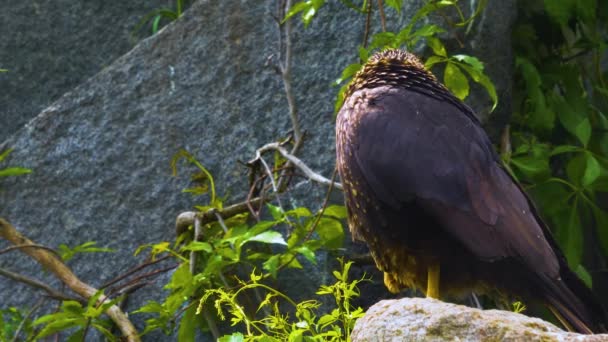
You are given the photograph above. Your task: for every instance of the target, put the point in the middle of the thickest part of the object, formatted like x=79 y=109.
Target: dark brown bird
x=427 y=192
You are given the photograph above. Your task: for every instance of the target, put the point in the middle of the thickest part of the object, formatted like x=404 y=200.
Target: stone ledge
x=425 y=319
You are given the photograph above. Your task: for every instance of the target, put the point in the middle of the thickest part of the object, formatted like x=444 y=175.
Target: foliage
x=309 y=324
x=11 y=171
x=156 y=16
x=68 y=253
x=76 y=319
x=236 y=246
x=413 y=35
x=560 y=125
x=12 y=320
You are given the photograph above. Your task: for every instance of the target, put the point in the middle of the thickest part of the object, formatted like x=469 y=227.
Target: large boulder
x=425 y=319
x=50 y=47
x=101 y=153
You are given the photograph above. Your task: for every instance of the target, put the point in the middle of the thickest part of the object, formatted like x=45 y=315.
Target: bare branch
x=63 y=273
x=133 y=270
x=285 y=67
x=37 y=284
x=368 y=20
x=297 y=163
x=12 y=248
x=382 y=17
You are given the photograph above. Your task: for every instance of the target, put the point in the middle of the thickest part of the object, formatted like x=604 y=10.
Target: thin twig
x=133 y=270
x=368 y=20
x=12 y=248
x=297 y=163
x=382 y=17
x=120 y=289
x=318 y=218
x=37 y=284
x=27 y=316
x=283 y=180
x=285 y=67
x=52 y=263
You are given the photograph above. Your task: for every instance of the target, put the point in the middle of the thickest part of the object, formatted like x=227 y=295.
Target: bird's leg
x=432 y=281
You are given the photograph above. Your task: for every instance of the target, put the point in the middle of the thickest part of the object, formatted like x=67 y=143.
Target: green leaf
x=532 y=167
x=383 y=40
x=433 y=60
x=187 y=325
x=470 y=60
x=574 y=122
x=330 y=232
x=480 y=78
x=297 y=8
x=437 y=47
x=396 y=4
x=307 y=253
x=14 y=171
x=456 y=81
x=299 y=212
x=560 y=10
x=269 y=237
x=582 y=273
x=564 y=149
x=272 y=264
x=337 y=211
x=198 y=246
x=235 y=337
x=347 y=73
x=575 y=169
x=276 y=211
x=592 y=170
x=5 y=154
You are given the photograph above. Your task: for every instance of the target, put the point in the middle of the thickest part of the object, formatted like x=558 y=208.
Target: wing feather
x=411 y=147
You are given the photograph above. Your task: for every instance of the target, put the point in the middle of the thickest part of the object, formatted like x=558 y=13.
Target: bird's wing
x=412 y=147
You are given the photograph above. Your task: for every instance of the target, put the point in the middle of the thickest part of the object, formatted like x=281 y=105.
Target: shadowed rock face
x=101 y=153
x=426 y=319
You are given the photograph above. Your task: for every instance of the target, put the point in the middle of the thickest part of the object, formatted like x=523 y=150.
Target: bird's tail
x=574 y=305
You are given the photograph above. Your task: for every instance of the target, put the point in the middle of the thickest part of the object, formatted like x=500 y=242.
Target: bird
x=426 y=191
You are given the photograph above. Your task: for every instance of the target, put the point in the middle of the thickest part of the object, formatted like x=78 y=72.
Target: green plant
x=76 y=319
x=560 y=125
x=11 y=171
x=68 y=253
x=158 y=15
x=410 y=37
x=308 y=323
x=235 y=246
x=13 y=321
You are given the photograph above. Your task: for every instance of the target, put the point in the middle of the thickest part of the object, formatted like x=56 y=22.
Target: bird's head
x=392 y=67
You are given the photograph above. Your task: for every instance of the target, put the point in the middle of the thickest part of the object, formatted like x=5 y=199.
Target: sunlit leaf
x=437 y=47
x=456 y=81
x=337 y=211
x=331 y=233
x=268 y=237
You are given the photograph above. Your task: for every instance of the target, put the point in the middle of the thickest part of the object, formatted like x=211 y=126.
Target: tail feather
x=574 y=305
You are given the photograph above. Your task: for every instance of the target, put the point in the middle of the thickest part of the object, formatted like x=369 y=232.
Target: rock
x=50 y=47
x=425 y=319
x=101 y=153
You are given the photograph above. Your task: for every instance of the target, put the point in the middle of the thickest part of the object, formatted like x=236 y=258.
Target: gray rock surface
x=49 y=47
x=425 y=319
x=101 y=153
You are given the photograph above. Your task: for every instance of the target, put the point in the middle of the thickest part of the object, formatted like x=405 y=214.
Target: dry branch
x=52 y=263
